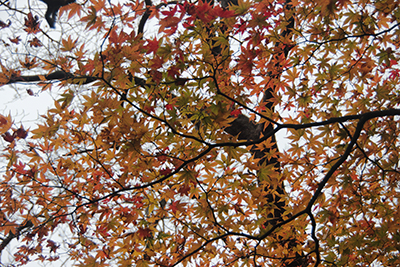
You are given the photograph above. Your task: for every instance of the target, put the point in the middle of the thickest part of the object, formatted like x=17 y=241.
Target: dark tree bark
x=247 y=130
x=52 y=8
x=11 y=235
x=54 y=76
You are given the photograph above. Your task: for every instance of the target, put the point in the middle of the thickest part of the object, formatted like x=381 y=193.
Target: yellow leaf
x=5 y=123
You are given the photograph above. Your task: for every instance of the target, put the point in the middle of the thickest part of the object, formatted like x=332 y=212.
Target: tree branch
x=57 y=75
x=12 y=235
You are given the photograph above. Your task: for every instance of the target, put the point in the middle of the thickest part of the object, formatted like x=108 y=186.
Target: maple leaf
x=35 y=42
x=184 y=189
x=31 y=24
x=156 y=75
x=3 y=120
x=176 y=206
x=28 y=63
x=152 y=45
x=236 y=112
x=223 y=12
x=144 y=233
x=171 y=12
x=69 y=44
x=4 y=25
x=15 y=40
x=8 y=137
x=20 y=167
x=169 y=107
x=394 y=74
x=118 y=38
x=30 y=92
x=91 y=18
x=149 y=109
x=52 y=245
x=189 y=8
x=5 y=123
x=74 y=9
x=165 y=171
x=20 y=133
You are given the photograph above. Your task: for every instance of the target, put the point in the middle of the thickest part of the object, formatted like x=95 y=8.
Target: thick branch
x=244 y=129
x=62 y=75
x=145 y=17
x=247 y=130
x=57 y=75
x=12 y=235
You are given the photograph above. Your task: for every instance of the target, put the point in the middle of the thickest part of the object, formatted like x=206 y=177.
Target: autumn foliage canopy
x=196 y=133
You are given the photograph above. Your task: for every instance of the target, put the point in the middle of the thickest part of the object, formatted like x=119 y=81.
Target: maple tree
x=161 y=149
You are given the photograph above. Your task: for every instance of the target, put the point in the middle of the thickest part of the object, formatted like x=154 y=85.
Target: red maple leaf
x=152 y=46
x=32 y=24
x=20 y=133
x=175 y=206
x=20 y=168
x=171 y=12
x=8 y=137
x=223 y=13
x=52 y=245
x=15 y=40
x=165 y=172
x=30 y=92
x=144 y=232
x=236 y=112
x=35 y=42
x=184 y=189
x=4 y=25
x=149 y=109
x=394 y=74
x=3 y=121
